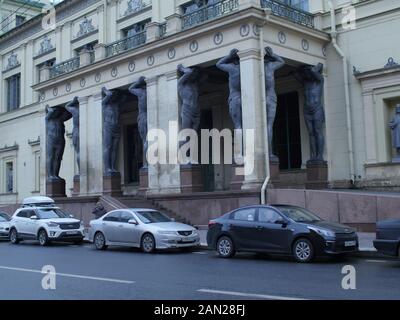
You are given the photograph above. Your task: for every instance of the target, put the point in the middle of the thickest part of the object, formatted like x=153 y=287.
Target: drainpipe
x=264 y=111
x=346 y=91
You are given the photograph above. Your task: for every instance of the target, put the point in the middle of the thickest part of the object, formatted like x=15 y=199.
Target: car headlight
x=167 y=233
x=52 y=224
x=82 y=224
x=323 y=232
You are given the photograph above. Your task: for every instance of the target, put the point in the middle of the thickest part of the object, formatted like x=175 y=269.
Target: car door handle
x=260 y=228
x=121 y=226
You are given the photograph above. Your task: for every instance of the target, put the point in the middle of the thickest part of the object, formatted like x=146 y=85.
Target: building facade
x=111 y=43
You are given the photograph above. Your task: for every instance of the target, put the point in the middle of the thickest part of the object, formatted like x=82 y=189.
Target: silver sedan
x=141 y=228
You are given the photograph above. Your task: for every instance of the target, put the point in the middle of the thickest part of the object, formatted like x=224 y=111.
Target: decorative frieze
x=85 y=27
x=135 y=6
x=12 y=62
x=45 y=45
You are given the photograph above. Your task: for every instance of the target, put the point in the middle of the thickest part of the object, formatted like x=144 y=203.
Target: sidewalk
x=366 y=241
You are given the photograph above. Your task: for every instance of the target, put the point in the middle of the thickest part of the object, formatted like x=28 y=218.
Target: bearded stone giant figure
x=55 y=140
x=111 y=130
x=272 y=63
x=139 y=89
x=231 y=65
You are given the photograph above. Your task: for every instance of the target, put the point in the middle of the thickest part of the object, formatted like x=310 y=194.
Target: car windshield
x=299 y=214
x=152 y=217
x=4 y=217
x=51 y=214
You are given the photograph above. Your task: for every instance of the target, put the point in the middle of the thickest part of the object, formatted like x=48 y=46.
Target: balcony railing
x=125 y=44
x=163 y=29
x=209 y=12
x=289 y=12
x=64 y=67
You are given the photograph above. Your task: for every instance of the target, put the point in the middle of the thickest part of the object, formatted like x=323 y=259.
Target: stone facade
x=89 y=49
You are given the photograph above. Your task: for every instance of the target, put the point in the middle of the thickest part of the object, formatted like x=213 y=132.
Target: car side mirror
x=133 y=221
x=173 y=219
x=71 y=216
x=34 y=218
x=283 y=223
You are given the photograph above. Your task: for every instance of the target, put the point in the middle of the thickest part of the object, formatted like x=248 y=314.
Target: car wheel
x=43 y=238
x=14 y=236
x=225 y=247
x=148 y=244
x=303 y=250
x=100 y=241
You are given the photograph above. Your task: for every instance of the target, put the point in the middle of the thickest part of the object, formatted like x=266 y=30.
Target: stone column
x=169 y=112
x=99 y=52
x=29 y=72
x=252 y=117
x=101 y=24
x=59 y=44
x=111 y=21
x=24 y=71
x=84 y=57
x=91 y=144
x=152 y=32
x=152 y=123
x=174 y=23
x=66 y=35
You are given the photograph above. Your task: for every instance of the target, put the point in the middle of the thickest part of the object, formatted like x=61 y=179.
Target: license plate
x=72 y=232
x=187 y=240
x=350 y=243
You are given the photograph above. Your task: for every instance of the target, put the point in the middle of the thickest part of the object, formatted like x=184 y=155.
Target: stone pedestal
x=77 y=185
x=274 y=170
x=55 y=188
x=112 y=185
x=143 y=181
x=191 y=178
x=237 y=179
x=317 y=175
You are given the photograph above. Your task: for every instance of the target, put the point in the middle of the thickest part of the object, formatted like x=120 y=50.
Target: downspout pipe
x=264 y=111
x=346 y=91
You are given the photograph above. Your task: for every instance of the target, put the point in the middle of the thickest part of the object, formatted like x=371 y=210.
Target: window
x=268 y=215
x=299 y=4
x=4 y=217
x=135 y=29
x=245 y=214
x=26 y=214
x=13 y=92
x=152 y=217
x=299 y=214
x=126 y=216
x=9 y=177
x=113 y=217
x=19 y=20
x=51 y=214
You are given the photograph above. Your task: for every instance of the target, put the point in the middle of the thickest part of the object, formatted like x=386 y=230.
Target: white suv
x=40 y=219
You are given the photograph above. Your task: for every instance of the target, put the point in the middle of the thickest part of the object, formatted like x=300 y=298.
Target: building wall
x=367 y=47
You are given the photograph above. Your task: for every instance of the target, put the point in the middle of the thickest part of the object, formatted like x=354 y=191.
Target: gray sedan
x=141 y=228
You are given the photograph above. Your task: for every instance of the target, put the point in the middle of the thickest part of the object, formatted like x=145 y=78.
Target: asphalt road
x=119 y=273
